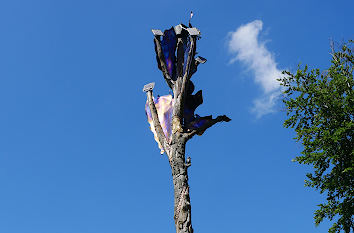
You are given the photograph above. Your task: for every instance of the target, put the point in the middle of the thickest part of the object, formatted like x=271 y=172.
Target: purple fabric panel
x=186 y=48
x=168 y=45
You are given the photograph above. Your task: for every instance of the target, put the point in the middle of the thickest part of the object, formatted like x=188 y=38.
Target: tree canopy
x=319 y=107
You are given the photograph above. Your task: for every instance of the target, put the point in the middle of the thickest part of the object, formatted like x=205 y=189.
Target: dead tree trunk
x=175 y=57
x=182 y=207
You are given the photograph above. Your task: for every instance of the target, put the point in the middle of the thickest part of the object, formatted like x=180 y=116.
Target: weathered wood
x=180 y=87
x=186 y=75
x=161 y=58
x=175 y=146
x=182 y=205
x=155 y=119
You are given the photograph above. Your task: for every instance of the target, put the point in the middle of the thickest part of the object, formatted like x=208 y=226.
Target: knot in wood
x=176 y=125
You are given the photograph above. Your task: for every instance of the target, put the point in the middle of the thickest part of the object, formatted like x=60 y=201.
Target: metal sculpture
x=172 y=118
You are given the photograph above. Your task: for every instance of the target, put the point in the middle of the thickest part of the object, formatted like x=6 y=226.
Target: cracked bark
x=175 y=146
x=175 y=150
x=182 y=206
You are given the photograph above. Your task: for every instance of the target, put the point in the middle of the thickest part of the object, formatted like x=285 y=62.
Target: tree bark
x=175 y=145
x=182 y=206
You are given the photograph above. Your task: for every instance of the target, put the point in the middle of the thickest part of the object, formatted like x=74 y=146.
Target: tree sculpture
x=172 y=119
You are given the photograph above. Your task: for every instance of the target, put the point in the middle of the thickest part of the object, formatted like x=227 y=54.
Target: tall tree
x=173 y=121
x=320 y=106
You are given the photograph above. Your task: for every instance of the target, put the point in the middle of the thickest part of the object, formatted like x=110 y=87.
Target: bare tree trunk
x=182 y=131
x=182 y=206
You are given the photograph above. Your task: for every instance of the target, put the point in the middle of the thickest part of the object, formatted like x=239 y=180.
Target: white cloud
x=244 y=44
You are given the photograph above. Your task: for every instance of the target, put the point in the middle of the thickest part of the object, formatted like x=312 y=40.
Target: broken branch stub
x=200 y=59
x=154 y=115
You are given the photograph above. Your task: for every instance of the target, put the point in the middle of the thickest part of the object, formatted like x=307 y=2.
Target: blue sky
x=76 y=152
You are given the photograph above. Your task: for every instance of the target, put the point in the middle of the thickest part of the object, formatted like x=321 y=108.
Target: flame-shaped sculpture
x=164 y=105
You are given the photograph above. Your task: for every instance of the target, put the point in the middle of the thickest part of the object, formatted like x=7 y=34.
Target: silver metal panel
x=193 y=31
x=178 y=29
x=157 y=32
x=149 y=87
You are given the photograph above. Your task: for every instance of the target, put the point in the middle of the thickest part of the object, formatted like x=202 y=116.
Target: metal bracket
x=193 y=31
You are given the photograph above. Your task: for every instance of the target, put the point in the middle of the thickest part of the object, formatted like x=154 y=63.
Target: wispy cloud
x=246 y=47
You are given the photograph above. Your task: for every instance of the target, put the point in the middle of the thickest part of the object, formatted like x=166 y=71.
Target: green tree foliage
x=320 y=108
